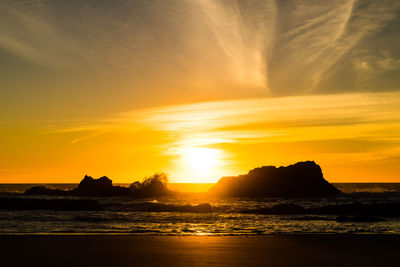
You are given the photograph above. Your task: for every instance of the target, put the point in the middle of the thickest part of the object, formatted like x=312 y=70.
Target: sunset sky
x=198 y=89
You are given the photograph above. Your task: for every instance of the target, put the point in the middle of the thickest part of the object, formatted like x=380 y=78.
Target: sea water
x=125 y=215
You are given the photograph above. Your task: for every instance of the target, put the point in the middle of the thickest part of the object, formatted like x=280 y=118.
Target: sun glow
x=200 y=158
x=202 y=161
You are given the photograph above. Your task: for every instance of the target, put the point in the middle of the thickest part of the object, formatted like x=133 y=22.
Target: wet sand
x=271 y=250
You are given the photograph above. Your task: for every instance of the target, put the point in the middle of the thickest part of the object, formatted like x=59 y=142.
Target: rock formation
x=153 y=186
x=303 y=179
x=99 y=187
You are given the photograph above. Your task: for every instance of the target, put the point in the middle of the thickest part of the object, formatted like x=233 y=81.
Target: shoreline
x=155 y=250
x=202 y=234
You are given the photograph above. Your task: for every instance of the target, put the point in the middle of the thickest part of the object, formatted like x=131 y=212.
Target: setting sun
x=202 y=162
x=201 y=159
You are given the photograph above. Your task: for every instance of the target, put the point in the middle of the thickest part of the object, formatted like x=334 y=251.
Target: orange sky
x=198 y=89
x=354 y=137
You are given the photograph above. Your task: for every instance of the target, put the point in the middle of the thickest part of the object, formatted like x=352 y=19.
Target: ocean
x=180 y=216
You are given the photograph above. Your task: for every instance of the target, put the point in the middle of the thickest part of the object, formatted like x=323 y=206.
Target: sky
x=198 y=89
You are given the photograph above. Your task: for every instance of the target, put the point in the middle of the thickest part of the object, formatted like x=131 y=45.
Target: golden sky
x=198 y=89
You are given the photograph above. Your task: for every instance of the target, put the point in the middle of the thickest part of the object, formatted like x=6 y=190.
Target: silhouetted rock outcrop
x=101 y=187
x=303 y=179
x=90 y=186
x=153 y=186
x=43 y=190
x=48 y=204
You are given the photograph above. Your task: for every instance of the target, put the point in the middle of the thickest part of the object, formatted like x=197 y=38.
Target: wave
x=368 y=187
x=353 y=209
x=159 y=207
x=62 y=204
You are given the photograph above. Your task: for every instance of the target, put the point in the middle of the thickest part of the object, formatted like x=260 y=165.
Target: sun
x=202 y=160
x=199 y=164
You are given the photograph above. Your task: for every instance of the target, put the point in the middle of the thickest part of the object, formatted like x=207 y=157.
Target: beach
x=134 y=250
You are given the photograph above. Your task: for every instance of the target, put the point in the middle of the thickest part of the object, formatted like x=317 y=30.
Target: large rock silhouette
x=152 y=186
x=303 y=179
x=102 y=186
x=43 y=190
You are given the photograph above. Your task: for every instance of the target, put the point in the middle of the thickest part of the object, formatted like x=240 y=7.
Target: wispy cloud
x=280 y=47
x=313 y=35
x=340 y=131
x=29 y=30
x=259 y=120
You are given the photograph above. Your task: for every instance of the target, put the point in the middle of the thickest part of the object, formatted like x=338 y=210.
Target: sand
x=270 y=250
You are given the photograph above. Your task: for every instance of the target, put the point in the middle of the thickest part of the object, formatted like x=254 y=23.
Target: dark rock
x=96 y=187
x=153 y=186
x=48 y=204
x=303 y=179
x=43 y=190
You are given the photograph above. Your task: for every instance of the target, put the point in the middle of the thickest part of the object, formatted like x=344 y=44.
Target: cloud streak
x=261 y=120
x=313 y=35
x=281 y=47
x=341 y=131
